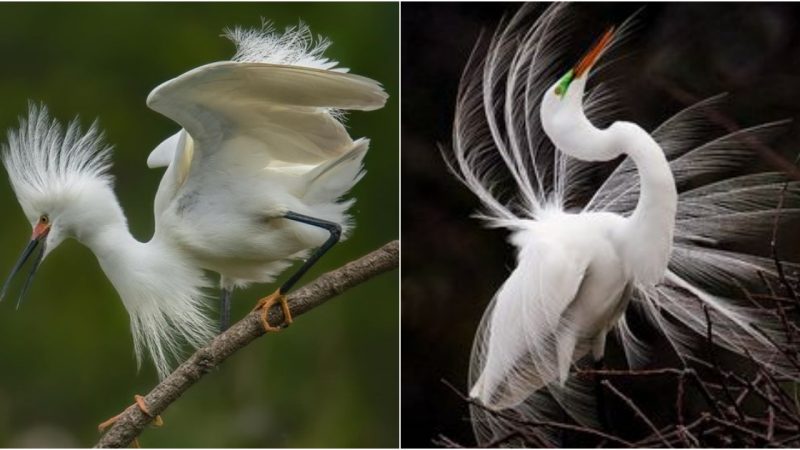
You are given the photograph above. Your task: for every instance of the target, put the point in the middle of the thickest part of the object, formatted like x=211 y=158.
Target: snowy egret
x=637 y=243
x=254 y=180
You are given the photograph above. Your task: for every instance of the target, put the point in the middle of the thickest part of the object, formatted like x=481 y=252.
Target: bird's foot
x=157 y=421
x=266 y=303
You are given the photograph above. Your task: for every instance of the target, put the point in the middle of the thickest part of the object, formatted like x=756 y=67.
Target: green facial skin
x=564 y=82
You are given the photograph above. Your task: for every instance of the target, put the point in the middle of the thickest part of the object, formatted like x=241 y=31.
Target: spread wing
x=276 y=114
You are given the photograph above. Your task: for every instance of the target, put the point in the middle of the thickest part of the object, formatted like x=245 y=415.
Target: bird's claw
x=266 y=303
x=140 y=402
x=157 y=420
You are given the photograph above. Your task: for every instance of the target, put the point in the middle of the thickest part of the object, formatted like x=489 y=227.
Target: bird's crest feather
x=46 y=160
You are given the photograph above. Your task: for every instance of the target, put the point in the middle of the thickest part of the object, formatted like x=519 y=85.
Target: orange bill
x=590 y=57
x=40 y=230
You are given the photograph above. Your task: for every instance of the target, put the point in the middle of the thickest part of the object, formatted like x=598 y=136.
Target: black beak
x=26 y=253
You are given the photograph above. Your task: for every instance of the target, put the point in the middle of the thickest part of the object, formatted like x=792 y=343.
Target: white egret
x=650 y=242
x=254 y=180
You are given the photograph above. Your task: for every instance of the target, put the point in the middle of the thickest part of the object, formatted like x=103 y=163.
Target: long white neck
x=651 y=225
x=648 y=237
x=160 y=289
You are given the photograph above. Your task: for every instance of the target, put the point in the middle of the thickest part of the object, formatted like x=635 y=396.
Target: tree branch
x=132 y=421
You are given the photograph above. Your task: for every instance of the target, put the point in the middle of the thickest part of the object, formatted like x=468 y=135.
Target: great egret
x=253 y=181
x=650 y=242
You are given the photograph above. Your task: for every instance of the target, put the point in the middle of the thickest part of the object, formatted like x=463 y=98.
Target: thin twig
x=774 y=241
x=539 y=423
x=636 y=410
x=650 y=440
x=737 y=427
x=713 y=357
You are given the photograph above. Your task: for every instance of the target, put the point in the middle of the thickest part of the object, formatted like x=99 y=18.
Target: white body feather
x=581 y=264
x=261 y=136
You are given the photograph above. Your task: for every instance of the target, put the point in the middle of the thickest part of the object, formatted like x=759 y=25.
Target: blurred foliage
x=452 y=265
x=67 y=358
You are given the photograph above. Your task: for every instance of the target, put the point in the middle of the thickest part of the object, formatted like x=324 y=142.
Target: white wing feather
x=520 y=351
x=283 y=109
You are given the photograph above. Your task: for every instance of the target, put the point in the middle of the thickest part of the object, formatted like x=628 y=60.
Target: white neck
x=160 y=288
x=653 y=219
x=658 y=197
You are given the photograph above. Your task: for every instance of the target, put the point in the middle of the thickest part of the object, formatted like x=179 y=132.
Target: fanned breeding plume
x=657 y=237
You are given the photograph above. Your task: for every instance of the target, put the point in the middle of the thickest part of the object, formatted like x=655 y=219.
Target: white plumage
x=261 y=136
x=650 y=238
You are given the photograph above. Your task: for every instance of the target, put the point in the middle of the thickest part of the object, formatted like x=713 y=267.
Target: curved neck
x=658 y=196
x=161 y=290
x=653 y=220
x=122 y=257
x=104 y=229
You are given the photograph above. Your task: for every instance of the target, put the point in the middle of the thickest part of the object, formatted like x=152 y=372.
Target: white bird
x=254 y=180
x=638 y=243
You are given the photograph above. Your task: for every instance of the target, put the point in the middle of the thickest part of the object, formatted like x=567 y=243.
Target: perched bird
x=649 y=240
x=253 y=180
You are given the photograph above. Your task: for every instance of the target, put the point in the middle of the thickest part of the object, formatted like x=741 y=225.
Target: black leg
x=279 y=296
x=335 y=233
x=225 y=309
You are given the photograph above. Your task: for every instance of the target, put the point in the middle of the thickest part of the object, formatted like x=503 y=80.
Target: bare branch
x=132 y=421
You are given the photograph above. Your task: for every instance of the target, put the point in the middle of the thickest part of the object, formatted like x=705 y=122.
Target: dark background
x=451 y=265
x=66 y=357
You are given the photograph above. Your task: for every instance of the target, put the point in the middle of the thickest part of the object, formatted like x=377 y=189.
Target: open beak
x=39 y=234
x=594 y=53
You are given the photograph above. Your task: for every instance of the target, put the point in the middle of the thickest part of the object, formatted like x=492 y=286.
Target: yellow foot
x=157 y=421
x=266 y=303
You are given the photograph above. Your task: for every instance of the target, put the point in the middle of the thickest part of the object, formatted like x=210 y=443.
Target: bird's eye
x=44 y=220
x=563 y=83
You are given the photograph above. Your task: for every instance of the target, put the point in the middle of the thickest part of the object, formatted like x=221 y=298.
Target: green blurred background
x=66 y=357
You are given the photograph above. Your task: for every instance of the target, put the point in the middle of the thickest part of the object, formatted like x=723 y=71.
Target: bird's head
x=59 y=176
x=566 y=94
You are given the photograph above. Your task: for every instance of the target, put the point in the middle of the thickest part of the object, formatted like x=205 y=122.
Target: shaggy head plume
x=47 y=162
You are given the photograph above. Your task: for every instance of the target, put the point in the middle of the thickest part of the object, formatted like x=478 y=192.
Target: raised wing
x=162 y=155
x=286 y=111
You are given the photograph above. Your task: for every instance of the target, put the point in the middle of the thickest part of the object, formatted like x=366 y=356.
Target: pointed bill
x=26 y=253
x=39 y=234
x=594 y=53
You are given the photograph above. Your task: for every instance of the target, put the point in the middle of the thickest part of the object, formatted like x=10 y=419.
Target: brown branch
x=132 y=421
x=651 y=440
